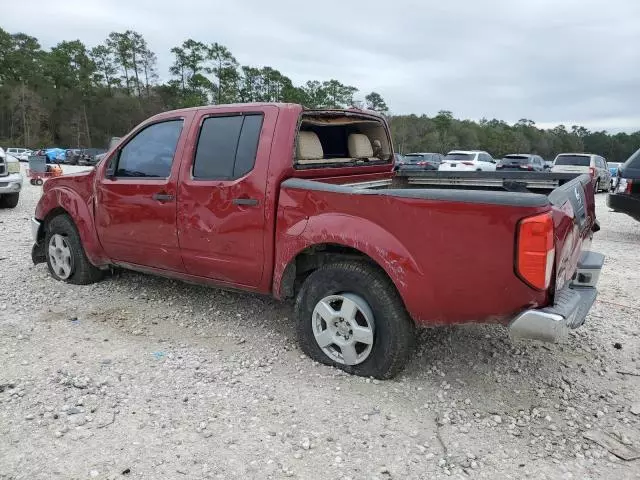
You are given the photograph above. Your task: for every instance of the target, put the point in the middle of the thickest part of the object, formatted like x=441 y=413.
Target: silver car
x=594 y=165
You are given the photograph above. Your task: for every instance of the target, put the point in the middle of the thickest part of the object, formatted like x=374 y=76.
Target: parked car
x=422 y=161
x=22 y=154
x=10 y=180
x=613 y=170
x=89 y=156
x=290 y=202
x=548 y=165
x=626 y=196
x=467 y=161
x=72 y=156
x=521 y=161
x=594 y=165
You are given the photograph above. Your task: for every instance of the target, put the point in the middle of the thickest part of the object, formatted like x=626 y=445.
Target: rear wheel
x=65 y=256
x=350 y=316
x=9 y=200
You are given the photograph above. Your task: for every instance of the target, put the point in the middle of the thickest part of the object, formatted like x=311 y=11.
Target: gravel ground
x=143 y=377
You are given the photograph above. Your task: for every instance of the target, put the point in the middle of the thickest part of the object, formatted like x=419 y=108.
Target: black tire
x=9 y=200
x=82 y=271
x=394 y=335
x=39 y=181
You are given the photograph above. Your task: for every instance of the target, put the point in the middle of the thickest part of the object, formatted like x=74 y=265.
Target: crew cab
x=301 y=204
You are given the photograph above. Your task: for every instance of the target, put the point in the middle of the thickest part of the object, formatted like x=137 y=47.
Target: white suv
x=594 y=165
x=467 y=161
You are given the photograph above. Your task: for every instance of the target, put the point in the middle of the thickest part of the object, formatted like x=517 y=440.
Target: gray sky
x=553 y=61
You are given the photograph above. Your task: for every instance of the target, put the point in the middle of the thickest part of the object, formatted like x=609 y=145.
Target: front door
x=221 y=196
x=136 y=198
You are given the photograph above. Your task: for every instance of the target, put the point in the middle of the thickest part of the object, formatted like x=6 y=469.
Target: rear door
x=136 y=197
x=603 y=171
x=221 y=196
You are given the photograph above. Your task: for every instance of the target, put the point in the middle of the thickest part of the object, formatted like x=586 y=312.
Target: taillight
x=467 y=163
x=624 y=185
x=592 y=171
x=535 y=250
x=421 y=163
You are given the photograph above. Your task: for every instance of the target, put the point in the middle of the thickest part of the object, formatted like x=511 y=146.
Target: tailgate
x=574 y=219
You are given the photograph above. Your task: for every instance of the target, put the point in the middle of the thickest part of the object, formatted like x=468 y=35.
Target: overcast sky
x=553 y=61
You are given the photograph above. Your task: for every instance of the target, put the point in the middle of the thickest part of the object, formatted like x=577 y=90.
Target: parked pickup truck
x=300 y=204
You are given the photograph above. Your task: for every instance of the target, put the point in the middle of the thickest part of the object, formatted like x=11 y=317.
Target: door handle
x=162 y=197
x=247 y=202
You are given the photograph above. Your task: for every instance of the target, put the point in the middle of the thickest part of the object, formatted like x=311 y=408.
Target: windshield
x=574 y=160
x=460 y=156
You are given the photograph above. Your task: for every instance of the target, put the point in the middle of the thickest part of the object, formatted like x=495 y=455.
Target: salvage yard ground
x=143 y=377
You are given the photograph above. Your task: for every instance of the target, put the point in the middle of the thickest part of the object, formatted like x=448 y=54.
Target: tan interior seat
x=360 y=146
x=309 y=148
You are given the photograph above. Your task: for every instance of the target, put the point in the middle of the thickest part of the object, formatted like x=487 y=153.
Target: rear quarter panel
x=452 y=262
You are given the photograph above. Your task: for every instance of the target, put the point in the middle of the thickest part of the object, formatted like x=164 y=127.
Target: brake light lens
x=467 y=163
x=592 y=171
x=624 y=185
x=535 y=250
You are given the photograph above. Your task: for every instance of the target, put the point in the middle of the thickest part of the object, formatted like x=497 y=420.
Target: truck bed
x=539 y=182
x=409 y=229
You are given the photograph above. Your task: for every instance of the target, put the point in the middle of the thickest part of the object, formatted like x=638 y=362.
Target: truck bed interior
x=339 y=139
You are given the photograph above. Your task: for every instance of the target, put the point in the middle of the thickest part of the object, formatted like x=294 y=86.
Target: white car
x=594 y=165
x=21 y=154
x=467 y=161
x=10 y=180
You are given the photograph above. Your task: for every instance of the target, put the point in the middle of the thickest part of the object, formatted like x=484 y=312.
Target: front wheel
x=65 y=256
x=350 y=316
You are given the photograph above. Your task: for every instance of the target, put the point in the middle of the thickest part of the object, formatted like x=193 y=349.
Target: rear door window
x=460 y=156
x=227 y=147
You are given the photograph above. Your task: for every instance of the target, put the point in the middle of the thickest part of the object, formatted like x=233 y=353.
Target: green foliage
x=74 y=96
x=443 y=133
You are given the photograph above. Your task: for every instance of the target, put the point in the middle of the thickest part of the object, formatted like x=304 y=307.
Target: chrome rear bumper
x=572 y=304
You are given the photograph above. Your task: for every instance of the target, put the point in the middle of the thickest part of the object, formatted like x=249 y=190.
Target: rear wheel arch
x=310 y=259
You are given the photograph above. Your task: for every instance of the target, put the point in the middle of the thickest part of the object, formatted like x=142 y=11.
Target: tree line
x=443 y=132
x=74 y=95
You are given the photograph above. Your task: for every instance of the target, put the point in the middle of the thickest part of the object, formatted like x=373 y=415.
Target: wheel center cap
x=343 y=328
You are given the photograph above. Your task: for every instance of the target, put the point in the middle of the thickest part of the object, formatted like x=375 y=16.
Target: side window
x=150 y=153
x=227 y=147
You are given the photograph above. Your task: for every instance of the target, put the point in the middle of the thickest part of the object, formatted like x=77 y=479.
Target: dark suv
x=626 y=196
x=421 y=161
x=520 y=162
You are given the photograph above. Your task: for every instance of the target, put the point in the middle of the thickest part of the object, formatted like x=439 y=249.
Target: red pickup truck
x=303 y=204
